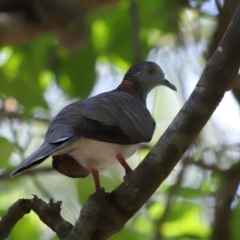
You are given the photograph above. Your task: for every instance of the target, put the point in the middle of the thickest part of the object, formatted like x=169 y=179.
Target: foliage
x=40 y=76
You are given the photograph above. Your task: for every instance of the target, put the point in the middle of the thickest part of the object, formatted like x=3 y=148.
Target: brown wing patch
x=68 y=166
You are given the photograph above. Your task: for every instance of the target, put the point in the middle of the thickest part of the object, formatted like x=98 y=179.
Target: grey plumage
x=119 y=116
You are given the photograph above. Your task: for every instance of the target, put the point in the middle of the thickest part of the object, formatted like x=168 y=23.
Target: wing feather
x=124 y=111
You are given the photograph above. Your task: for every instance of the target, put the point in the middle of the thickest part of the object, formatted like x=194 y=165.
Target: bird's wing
x=121 y=114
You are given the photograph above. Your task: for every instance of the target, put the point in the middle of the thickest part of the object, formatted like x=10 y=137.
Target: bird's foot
x=122 y=161
x=127 y=168
x=97 y=181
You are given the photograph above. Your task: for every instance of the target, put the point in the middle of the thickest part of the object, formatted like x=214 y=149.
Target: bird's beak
x=166 y=83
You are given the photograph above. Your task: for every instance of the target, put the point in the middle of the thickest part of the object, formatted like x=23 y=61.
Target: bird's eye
x=150 y=71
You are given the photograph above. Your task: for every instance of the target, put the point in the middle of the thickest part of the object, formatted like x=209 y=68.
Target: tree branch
x=13 y=215
x=205 y=166
x=48 y=213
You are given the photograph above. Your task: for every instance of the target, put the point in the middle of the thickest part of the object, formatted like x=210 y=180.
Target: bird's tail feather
x=36 y=158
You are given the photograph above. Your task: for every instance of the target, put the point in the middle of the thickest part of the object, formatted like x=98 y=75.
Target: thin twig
x=135 y=31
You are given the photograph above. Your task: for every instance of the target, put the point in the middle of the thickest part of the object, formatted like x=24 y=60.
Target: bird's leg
x=97 y=180
x=127 y=168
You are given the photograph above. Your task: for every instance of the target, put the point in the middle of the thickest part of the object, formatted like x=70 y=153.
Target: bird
x=97 y=132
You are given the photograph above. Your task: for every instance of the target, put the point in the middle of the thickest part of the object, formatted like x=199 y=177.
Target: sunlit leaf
x=26 y=229
x=187 y=192
x=188 y=222
x=234 y=223
x=127 y=233
x=143 y=225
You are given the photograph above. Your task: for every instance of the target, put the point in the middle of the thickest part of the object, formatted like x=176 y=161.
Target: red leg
x=122 y=161
x=96 y=180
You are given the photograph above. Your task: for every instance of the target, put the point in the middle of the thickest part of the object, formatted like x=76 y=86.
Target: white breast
x=95 y=154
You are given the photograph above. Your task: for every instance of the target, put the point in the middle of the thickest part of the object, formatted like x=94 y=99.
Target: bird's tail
x=36 y=158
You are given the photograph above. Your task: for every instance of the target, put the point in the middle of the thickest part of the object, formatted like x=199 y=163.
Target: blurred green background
x=59 y=52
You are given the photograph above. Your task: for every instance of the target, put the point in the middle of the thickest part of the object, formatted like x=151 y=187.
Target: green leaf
x=126 y=233
x=117 y=42
x=188 y=216
x=187 y=192
x=38 y=53
x=162 y=15
x=6 y=149
x=27 y=228
x=76 y=72
x=234 y=223
x=179 y=209
x=21 y=70
x=25 y=90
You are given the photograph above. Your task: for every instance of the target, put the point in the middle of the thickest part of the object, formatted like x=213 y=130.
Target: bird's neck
x=128 y=87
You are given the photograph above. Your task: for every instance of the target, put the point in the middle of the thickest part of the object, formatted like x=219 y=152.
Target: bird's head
x=147 y=75
x=142 y=77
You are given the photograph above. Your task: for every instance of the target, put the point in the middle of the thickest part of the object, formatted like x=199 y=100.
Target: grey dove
x=106 y=129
